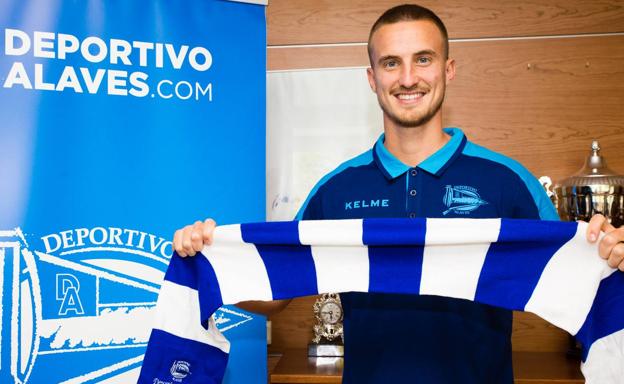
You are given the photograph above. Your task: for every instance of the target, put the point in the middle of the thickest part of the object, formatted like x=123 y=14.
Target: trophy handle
x=547 y=184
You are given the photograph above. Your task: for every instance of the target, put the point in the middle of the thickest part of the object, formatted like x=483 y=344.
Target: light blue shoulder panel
x=363 y=159
x=544 y=205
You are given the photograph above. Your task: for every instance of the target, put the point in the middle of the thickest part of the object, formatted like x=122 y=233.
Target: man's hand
x=192 y=238
x=611 y=246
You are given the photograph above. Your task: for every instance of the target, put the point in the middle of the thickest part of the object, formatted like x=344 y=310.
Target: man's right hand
x=192 y=238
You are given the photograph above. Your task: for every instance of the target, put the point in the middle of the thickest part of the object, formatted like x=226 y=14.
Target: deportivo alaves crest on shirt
x=544 y=267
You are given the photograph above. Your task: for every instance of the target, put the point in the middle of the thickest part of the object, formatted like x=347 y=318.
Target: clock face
x=328 y=314
x=331 y=312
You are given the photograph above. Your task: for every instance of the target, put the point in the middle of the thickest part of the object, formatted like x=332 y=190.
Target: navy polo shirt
x=427 y=339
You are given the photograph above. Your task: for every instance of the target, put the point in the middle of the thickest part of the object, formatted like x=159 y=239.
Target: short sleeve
x=311 y=208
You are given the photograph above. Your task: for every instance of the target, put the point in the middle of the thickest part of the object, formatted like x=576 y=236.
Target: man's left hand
x=611 y=246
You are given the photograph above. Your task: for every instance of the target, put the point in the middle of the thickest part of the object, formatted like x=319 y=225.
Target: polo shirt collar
x=435 y=164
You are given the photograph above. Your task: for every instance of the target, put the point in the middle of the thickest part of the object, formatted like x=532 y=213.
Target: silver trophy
x=593 y=189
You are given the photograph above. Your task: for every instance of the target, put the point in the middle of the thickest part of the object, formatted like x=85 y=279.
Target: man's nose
x=409 y=76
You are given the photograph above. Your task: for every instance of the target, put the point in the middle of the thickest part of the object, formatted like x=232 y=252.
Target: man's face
x=409 y=71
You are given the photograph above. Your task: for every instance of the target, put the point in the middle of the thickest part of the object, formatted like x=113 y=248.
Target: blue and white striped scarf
x=543 y=267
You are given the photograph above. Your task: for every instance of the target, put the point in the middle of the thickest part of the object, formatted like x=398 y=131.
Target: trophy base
x=325 y=350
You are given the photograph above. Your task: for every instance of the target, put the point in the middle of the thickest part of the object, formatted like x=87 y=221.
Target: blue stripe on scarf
x=210 y=298
x=395 y=268
x=265 y=233
x=606 y=315
x=394 y=231
x=290 y=267
x=514 y=264
x=183 y=270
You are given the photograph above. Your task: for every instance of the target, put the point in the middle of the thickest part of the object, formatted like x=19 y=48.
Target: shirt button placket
x=411 y=202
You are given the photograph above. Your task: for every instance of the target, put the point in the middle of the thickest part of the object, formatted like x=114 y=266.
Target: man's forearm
x=266 y=308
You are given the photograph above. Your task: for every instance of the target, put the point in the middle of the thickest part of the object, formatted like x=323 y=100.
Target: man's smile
x=409 y=97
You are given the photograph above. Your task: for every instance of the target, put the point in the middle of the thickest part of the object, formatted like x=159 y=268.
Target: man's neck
x=412 y=145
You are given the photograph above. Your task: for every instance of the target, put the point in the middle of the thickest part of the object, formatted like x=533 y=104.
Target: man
x=417 y=169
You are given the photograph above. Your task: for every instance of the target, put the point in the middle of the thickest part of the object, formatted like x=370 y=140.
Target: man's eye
x=390 y=64
x=424 y=60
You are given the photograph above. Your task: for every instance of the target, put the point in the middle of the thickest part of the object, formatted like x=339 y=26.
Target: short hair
x=408 y=12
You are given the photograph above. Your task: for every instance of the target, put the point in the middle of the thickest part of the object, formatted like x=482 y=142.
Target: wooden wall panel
x=316 y=57
x=292 y=328
x=330 y=21
x=544 y=116
x=532 y=333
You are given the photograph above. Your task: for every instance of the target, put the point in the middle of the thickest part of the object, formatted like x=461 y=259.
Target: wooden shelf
x=295 y=366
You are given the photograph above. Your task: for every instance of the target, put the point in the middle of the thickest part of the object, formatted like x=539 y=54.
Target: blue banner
x=121 y=122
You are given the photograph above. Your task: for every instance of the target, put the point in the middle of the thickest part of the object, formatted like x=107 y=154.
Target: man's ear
x=450 y=70
x=371 y=79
